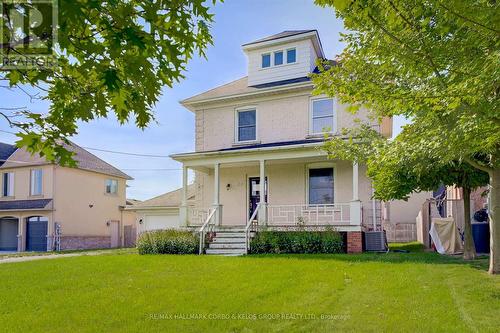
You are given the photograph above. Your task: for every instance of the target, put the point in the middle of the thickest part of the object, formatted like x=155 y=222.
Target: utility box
x=375 y=241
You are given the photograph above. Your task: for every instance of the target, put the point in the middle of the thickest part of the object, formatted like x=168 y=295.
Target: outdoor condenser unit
x=375 y=241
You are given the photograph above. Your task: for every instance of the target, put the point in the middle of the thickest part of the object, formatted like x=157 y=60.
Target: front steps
x=228 y=241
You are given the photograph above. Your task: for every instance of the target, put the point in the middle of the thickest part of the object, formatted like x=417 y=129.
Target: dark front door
x=36 y=234
x=254 y=194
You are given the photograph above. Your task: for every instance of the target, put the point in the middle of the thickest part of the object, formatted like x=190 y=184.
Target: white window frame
x=111 y=187
x=322 y=165
x=236 y=124
x=311 y=120
x=270 y=54
x=289 y=49
x=32 y=182
x=10 y=189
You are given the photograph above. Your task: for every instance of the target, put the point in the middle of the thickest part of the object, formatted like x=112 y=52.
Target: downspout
x=374 y=211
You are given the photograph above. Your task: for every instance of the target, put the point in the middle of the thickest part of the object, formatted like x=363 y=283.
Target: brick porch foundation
x=354 y=242
x=85 y=242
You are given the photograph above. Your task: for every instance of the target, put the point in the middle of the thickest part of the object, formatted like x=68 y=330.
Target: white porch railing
x=309 y=215
x=197 y=217
x=208 y=227
x=252 y=224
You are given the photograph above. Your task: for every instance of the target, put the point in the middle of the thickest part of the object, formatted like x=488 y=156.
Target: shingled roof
x=25 y=204
x=168 y=200
x=85 y=161
x=5 y=151
x=283 y=34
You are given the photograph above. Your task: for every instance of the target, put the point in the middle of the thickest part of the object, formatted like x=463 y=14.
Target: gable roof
x=283 y=34
x=5 y=151
x=84 y=159
x=171 y=199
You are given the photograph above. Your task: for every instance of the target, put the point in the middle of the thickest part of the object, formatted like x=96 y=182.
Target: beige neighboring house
x=257 y=161
x=44 y=206
x=160 y=212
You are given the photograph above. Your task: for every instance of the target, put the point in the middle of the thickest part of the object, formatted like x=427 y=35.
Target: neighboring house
x=267 y=128
x=44 y=206
x=161 y=212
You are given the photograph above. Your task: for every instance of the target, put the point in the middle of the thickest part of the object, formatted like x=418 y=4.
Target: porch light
x=228 y=187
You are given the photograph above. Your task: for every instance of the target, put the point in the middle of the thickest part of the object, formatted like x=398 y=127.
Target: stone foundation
x=85 y=242
x=354 y=242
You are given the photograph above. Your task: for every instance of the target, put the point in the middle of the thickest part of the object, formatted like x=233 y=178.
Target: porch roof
x=310 y=145
x=37 y=204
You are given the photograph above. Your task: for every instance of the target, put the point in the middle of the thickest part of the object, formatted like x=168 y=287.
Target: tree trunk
x=494 y=213
x=469 y=247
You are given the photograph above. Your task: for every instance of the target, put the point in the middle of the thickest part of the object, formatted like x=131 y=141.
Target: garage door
x=8 y=235
x=36 y=234
x=154 y=222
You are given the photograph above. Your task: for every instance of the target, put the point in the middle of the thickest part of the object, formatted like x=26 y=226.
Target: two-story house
x=44 y=206
x=257 y=146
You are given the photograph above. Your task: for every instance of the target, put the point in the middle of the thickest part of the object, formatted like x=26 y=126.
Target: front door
x=254 y=194
x=36 y=234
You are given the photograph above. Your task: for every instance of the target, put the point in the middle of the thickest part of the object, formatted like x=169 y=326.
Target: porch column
x=218 y=215
x=263 y=208
x=183 y=209
x=355 y=204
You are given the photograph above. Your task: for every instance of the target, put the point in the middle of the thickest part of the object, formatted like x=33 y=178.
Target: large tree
x=435 y=62
x=112 y=56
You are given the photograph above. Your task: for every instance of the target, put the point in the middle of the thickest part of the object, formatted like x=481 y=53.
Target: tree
x=111 y=57
x=435 y=62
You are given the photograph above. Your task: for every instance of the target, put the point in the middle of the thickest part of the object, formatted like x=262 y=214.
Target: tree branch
x=468 y=19
x=478 y=166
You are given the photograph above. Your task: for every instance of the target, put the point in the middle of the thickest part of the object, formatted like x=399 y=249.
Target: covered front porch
x=302 y=189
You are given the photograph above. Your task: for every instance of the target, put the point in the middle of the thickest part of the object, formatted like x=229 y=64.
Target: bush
x=328 y=241
x=168 y=241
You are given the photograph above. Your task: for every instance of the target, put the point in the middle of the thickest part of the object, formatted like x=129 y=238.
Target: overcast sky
x=237 y=22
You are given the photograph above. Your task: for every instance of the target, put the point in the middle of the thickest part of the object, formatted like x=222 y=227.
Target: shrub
x=168 y=241
x=328 y=241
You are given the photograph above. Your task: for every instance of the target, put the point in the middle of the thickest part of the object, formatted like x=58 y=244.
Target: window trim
x=311 y=119
x=289 y=49
x=31 y=182
x=106 y=186
x=321 y=165
x=262 y=60
x=282 y=58
x=11 y=185
x=236 y=124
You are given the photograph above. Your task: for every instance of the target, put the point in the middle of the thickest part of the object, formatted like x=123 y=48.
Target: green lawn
x=419 y=291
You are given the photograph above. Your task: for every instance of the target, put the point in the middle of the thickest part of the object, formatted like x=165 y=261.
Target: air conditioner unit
x=375 y=241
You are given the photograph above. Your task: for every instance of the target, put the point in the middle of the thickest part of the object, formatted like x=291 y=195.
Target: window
x=36 y=182
x=8 y=184
x=111 y=186
x=291 y=56
x=266 y=60
x=321 y=186
x=278 y=58
x=322 y=116
x=247 y=125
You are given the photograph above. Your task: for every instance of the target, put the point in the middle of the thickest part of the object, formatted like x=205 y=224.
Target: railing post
x=355 y=212
x=183 y=209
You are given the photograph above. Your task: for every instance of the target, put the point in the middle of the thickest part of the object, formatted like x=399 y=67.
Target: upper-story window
x=322 y=116
x=266 y=60
x=291 y=56
x=246 y=125
x=36 y=182
x=278 y=58
x=111 y=186
x=8 y=184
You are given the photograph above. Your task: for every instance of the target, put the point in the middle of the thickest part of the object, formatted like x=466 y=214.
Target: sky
x=236 y=22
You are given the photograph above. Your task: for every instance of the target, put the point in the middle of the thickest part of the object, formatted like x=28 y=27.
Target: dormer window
x=291 y=56
x=266 y=60
x=278 y=58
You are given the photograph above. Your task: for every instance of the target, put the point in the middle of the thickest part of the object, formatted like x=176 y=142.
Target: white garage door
x=154 y=222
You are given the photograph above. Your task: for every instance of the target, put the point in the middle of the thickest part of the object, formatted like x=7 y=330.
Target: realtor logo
x=28 y=34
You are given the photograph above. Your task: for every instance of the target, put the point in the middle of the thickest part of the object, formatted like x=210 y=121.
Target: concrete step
x=229 y=234
x=225 y=251
x=227 y=246
x=229 y=240
x=222 y=229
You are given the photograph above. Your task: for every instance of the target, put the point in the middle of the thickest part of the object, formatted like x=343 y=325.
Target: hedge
x=328 y=241
x=168 y=241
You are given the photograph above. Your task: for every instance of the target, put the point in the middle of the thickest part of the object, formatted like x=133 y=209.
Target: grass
x=404 y=292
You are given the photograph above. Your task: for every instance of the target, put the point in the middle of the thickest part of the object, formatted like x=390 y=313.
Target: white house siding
x=301 y=68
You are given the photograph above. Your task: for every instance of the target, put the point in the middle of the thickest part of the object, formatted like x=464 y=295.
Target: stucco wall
x=22 y=182
x=284 y=117
x=77 y=190
x=401 y=211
